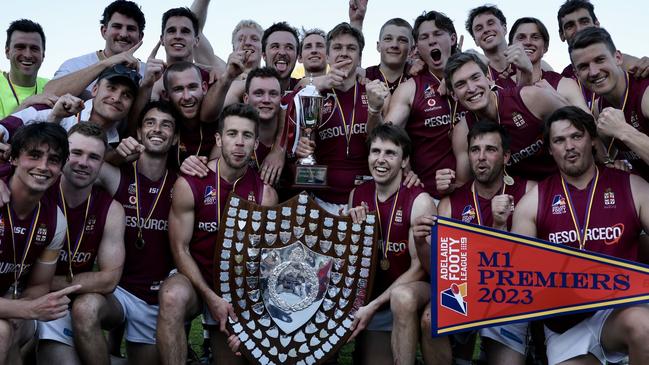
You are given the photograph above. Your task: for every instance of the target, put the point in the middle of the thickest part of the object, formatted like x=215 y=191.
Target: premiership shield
x=295 y=276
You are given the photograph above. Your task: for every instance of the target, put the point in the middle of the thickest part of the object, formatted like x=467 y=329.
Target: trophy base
x=310 y=177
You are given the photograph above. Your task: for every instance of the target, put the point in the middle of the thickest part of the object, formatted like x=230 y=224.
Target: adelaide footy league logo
x=453 y=298
x=209 y=197
x=558 y=204
x=468 y=214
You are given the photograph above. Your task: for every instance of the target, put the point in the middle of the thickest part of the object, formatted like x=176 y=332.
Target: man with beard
x=622 y=108
x=519 y=110
x=433 y=121
x=95 y=232
x=143 y=188
x=122 y=27
x=488 y=26
x=29 y=255
x=113 y=96
x=532 y=34
x=194 y=223
x=575 y=15
x=397 y=207
x=553 y=211
x=25 y=49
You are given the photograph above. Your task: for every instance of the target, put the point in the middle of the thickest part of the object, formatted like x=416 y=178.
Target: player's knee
x=85 y=310
x=403 y=300
x=174 y=295
x=635 y=324
x=6 y=335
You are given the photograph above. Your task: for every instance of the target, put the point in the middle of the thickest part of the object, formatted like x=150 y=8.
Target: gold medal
x=385 y=264
x=69 y=277
x=508 y=180
x=139 y=242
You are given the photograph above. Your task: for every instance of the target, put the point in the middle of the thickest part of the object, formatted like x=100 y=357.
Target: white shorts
x=59 y=330
x=381 y=321
x=141 y=318
x=581 y=339
x=513 y=335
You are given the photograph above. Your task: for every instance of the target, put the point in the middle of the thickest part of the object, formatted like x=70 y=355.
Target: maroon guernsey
x=634 y=116
x=195 y=141
x=429 y=127
x=529 y=158
x=145 y=268
x=397 y=247
x=552 y=78
x=614 y=224
x=207 y=201
x=259 y=155
x=503 y=78
x=346 y=161
x=43 y=224
x=374 y=73
x=463 y=205
x=84 y=253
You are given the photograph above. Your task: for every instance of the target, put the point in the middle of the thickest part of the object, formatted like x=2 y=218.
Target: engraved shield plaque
x=295 y=276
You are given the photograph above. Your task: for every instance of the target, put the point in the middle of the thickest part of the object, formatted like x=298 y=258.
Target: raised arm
x=524 y=220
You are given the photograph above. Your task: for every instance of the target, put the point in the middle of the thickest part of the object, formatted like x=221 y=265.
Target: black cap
x=130 y=76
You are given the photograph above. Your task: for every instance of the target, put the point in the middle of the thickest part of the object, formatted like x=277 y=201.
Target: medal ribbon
x=137 y=199
x=13 y=91
x=581 y=231
x=451 y=108
x=387 y=83
x=73 y=251
x=32 y=229
x=348 y=134
x=200 y=144
x=386 y=239
x=476 y=201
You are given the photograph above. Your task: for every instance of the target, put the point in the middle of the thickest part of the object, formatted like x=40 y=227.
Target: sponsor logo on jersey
x=131 y=189
x=558 y=204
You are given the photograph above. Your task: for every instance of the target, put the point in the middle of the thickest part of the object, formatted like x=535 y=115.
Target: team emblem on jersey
x=364 y=99
x=131 y=189
x=609 y=198
x=209 y=197
x=453 y=298
x=468 y=214
x=558 y=204
x=181 y=147
x=518 y=120
x=251 y=197
x=41 y=233
x=398 y=216
x=327 y=106
x=90 y=225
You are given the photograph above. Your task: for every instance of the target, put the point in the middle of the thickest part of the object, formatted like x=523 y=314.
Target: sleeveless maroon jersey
x=614 y=224
x=463 y=207
x=344 y=170
x=374 y=73
x=569 y=72
x=189 y=140
x=206 y=226
x=145 y=268
x=86 y=254
x=552 y=78
x=503 y=78
x=429 y=126
x=529 y=158
x=44 y=230
x=633 y=115
x=398 y=254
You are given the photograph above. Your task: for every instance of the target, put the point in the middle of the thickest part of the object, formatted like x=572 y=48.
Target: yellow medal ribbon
x=581 y=232
x=387 y=83
x=386 y=239
x=218 y=190
x=77 y=245
x=476 y=201
x=348 y=134
x=32 y=229
x=137 y=199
